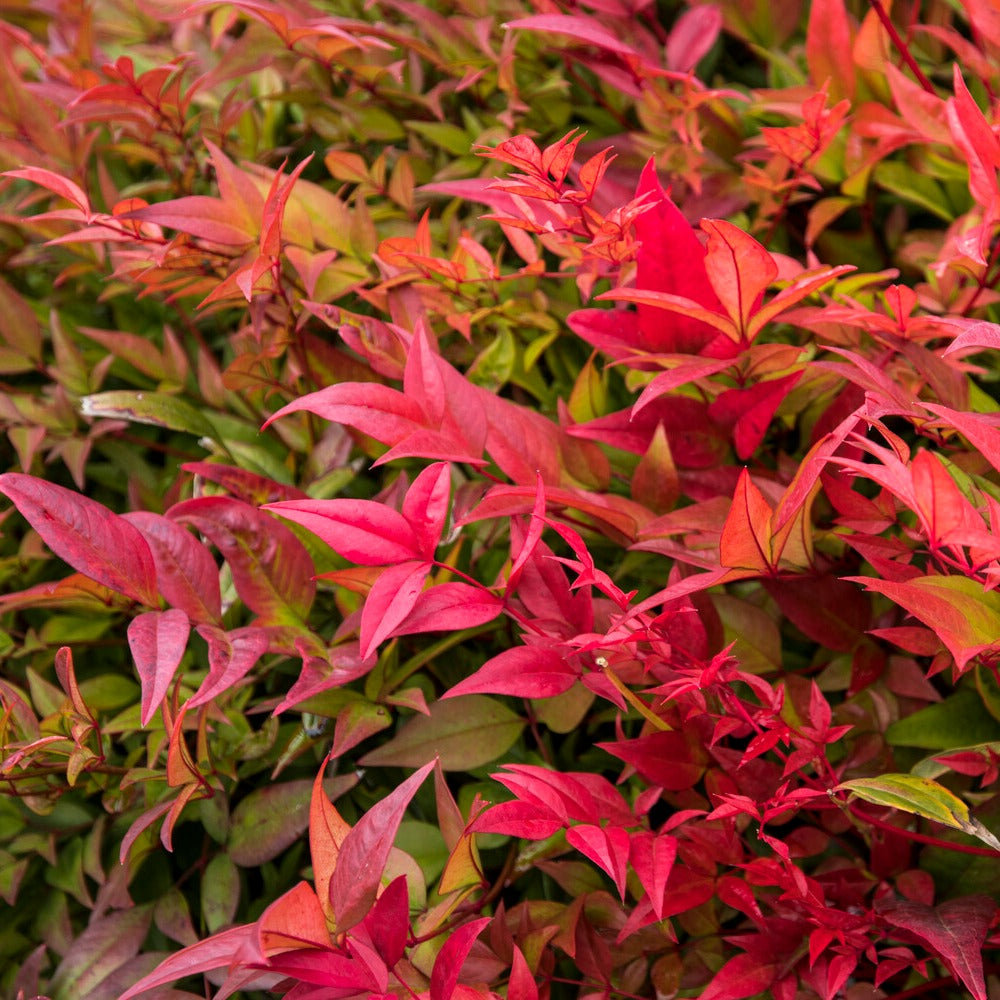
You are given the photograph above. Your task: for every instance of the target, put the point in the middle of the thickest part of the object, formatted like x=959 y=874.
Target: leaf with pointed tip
x=87 y=535
x=365 y=850
x=450 y=606
x=388 y=923
x=391 y=598
x=955 y=930
x=652 y=856
x=186 y=573
x=231 y=656
x=963 y=615
x=607 y=847
x=363 y=531
x=463 y=733
x=215 y=952
x=157 y=640
x=745 y=543
x=740 y=271
x=523 y=672
x=921 y=797
x=451 y=958
x=292 y=922
x=272 y=570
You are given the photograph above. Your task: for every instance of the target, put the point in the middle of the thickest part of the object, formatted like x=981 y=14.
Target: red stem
x=901 y=46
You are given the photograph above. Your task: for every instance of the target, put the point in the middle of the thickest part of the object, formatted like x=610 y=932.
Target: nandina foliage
x=504 y=499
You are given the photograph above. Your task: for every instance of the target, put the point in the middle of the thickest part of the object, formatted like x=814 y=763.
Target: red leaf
x=749 y=411
x=524 y=672
x=390 y=600
x=86 y=535
x=272 y=570
x=201 y=216
x=607 y=847
x=522 y=985
x=388 y=923
x=185 y=570
x=740 y=271
x=578 y=26
x=449 y=961
x=231 y=656
x=668 y=759
x=518 y=819
x=955 y=931
x=652 y=857
x=671 y=260
x=157 y=640
x=294 y=920
x=745 y=543
x=829 y=45
x=365 y=850
x=364 y=531
x=742 y=976
x=56 y=183
x=426 y=506
x=216 y=952
x=450 y=607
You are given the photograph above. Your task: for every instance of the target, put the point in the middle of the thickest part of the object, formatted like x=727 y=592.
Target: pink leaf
x=448 y=607
x=607 y=847
x=742 y=976
x=388 y=923
x=390 y=600
x=198 y=215
x=692 y=36
x=955 y=930
x=56 y=183
x=449 y=961
x=231 y=656
x=185 y=570
x=522 y=985
x=524 y=672
x=86 y=535
x=978 y=337
x=157 y=640
x=216 y=952
x=272 y=570
x=426 y=506
x=578 y=26
x=363 y=531
x=365 y=850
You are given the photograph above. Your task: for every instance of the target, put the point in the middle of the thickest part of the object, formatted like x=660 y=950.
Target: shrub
x=528 y=479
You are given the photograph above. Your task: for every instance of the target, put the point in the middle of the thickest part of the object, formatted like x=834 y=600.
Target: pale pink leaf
x=157 y=640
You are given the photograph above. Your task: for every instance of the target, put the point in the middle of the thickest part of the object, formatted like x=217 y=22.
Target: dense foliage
x=564 y=434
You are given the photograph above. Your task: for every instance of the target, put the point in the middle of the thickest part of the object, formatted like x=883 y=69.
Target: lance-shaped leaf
x=365 y=850
x=231 y=656
x=652 y=856
x=157 y=640
x=186 y=573
x=462 y=734
x=739 y=269
x=216 y=952
x=607 y=847
x=272 y=570
x=293 y=921
x=451 y=958
x=85 y=534
x=523 y=672
x=955 y=930
x=390 y=600
x=921 y=797
x=964 y=616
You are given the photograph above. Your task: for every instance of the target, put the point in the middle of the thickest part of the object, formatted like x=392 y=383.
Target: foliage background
x=813 y=477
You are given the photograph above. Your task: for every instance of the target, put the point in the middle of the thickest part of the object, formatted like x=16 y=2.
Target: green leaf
x=921 y=797
x=220 y=893
x=271 y=819
x=449 y=137
x=919 y=189
x=156 y=408
x=464 y=732
x=957 y=721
